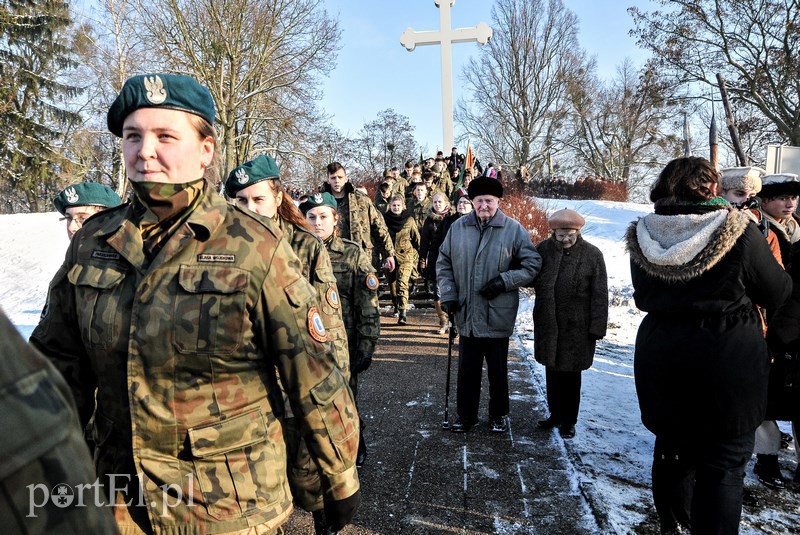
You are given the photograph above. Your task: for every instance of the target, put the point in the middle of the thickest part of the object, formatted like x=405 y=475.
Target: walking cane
x=450 y=338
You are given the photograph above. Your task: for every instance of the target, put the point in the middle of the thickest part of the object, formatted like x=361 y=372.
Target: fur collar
x=678 y=248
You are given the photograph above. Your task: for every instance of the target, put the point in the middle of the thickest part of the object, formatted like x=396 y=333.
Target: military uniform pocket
x=210 y=309
x=237 y=467
x=338 y=409
x=98 y=301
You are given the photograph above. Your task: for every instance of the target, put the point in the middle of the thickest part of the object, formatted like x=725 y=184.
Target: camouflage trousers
x=398 y=283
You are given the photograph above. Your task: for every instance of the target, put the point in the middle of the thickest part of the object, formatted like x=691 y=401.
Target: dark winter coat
x=471 y=255
x=571 y=308
x=701 y=360
x=431 y=238
x=783 y=338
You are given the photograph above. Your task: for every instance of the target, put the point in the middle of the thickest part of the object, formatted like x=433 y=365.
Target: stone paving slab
x=421 y=479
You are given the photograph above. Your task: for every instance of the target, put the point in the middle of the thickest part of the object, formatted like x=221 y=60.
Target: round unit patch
x=315 y=326
x=332 y=296
x=372 y=281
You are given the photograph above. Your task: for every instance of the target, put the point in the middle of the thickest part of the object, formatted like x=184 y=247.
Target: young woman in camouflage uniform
x=358 y=290
x=256 y=186
x=175 y=308
x=405 y=236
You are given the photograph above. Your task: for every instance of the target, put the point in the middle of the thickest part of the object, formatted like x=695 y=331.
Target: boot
x=768 y=471
x=443 y=322
x=401 y=320
x=321 y=524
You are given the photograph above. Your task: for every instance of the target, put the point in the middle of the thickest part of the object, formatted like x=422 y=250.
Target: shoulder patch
x=315 y=326
x=372 y=281
x=332 y=297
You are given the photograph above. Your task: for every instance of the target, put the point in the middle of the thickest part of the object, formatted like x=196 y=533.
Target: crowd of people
x=213 y=344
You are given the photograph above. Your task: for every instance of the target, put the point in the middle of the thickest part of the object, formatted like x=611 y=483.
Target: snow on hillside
x=612 y=450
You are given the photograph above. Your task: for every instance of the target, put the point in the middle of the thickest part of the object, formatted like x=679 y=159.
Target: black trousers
x=472 y=351
x=563 y=395
x=697 y=481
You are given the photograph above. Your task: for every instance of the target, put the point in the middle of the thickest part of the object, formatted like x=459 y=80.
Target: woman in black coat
x=431 y=238
x=698 y=269
x=569 y=316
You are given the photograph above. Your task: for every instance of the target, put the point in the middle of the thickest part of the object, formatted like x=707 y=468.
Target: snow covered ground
x=612 y=449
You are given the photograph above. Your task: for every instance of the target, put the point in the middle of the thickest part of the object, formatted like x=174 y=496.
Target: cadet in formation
x=256 y=186
x=359 y=220
x=175 y=309
x=405 y=235
x=358 y=290
x=79 y=202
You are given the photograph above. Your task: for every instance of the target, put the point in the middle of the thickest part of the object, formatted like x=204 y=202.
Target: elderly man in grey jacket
x=484 y=259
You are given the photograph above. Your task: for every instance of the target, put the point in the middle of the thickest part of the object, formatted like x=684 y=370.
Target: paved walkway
x=419 y=478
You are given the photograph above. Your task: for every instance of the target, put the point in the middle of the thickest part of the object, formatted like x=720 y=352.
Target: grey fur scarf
x=678 y=248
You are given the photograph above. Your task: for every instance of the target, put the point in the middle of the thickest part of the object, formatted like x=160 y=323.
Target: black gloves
x=450 y=307
x=493 y=288
x=339 y=513
x=363 y=360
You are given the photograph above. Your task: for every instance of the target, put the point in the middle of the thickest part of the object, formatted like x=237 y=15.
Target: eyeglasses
x=80 y=220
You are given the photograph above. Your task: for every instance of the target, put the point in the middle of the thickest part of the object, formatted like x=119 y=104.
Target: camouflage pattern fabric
x=380 y=203
x=406 y=244
x=419 y=211
x=182 y=353
x=43 y=456
x=361 y=222
x=318 y=270
x=358 y=289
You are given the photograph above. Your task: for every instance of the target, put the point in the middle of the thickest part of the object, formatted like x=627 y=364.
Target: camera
x=752 y=202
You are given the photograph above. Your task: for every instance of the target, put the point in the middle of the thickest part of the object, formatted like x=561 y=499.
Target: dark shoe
x=499 y=425
x=321 y=524
x=461 y=426
x=402 y=319
x=786 y=439
x=567 y=431
x=547 y=424
x=768 y=472
x=361 y=456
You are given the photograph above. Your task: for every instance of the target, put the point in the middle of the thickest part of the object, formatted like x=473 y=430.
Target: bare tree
x=624 y=128
x=259 y=58
x=384 y=142
x=754 y=44
x=518 y=85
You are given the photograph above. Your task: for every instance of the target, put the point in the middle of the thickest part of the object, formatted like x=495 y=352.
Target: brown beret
x=566 y=218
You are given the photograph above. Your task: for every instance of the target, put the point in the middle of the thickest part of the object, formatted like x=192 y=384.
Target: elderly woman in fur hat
x=699 y=268
x=569 y=316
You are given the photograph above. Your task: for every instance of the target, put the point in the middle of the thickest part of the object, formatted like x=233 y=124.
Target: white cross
x=446 y=37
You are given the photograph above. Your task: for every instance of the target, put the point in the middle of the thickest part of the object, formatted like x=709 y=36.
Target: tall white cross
x=446 y=36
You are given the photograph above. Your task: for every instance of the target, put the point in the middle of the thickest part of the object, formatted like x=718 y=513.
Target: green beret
x=171 y=91
x=86 y=194
x=318 y=199
x=247 y=174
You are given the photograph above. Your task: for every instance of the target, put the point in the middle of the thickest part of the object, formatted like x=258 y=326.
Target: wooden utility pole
x=737 y=146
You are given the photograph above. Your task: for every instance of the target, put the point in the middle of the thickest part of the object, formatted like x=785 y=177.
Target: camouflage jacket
x=362 y=223
x=319 y=272
x=406 y=242
x=419 y=210
x=380 y=203
x=182 y=353
x=42 y=448
x=358 y=289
